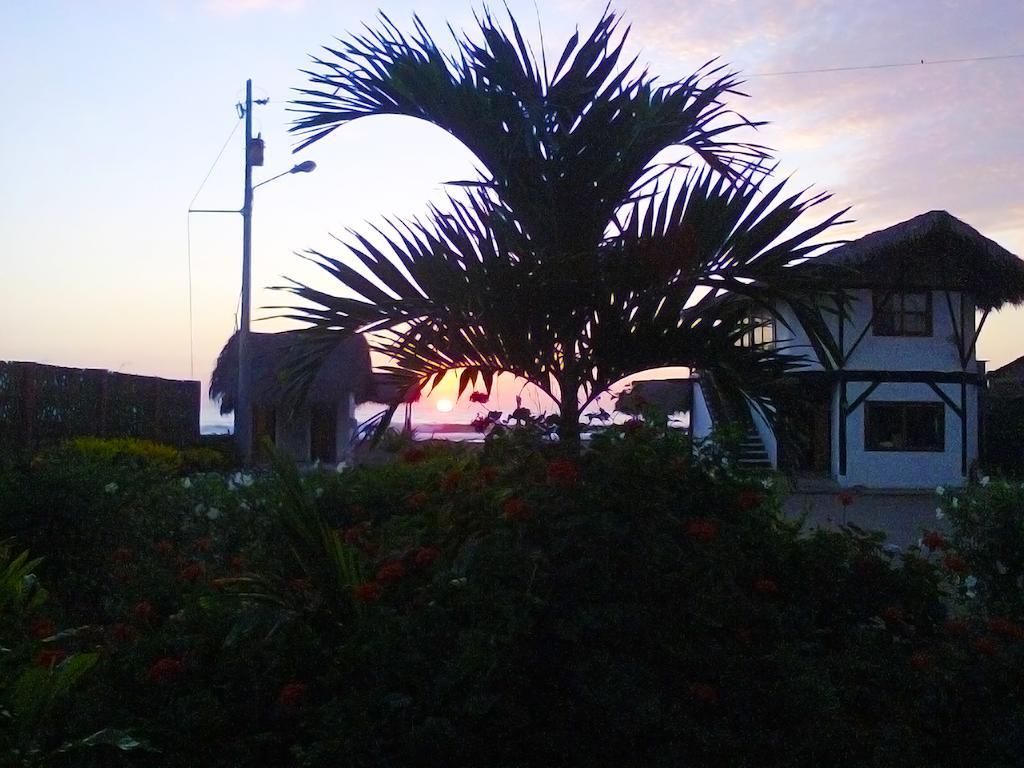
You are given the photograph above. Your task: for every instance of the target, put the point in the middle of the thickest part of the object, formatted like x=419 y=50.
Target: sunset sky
x=114 y=111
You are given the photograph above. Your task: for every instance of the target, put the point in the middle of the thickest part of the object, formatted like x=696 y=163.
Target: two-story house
x=889 y=393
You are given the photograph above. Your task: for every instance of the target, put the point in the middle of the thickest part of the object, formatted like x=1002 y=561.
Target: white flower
x=939 y=514
x=244 y=506
x=199 y=508
x=984 y=480
x=110 y=487
x=1001 y=567
x=318 y=492
x=939 y=491
x=239 y=480
x=186 y=483
x=213 y=513
x=766 y=483
x=970 y=582
x=342 y=466
x=954 y=502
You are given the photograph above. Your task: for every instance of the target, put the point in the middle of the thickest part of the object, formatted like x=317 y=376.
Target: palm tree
x=616 y=226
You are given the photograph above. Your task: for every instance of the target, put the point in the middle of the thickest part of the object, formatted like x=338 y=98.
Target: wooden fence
x=44 y=404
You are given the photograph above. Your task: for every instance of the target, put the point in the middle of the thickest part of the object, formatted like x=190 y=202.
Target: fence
x=43 y=404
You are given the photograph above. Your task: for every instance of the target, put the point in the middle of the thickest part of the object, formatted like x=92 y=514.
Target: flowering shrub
x=638 y=604
x=987 y=532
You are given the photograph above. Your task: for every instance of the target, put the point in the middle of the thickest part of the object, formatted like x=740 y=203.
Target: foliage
x=157 y=456
x=578 y=257
x=987 y=521
x=515 y=604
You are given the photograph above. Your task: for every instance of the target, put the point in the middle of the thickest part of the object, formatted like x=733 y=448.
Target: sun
x=445 y=406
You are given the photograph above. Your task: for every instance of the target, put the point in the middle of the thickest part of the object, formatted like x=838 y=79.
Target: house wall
x=700 y=420
x=937 y=352
x=292 y=435
x=906 y=469
x=346 y=426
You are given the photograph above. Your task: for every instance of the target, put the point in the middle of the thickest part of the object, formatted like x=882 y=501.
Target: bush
x=987 y=521
x=517 y=605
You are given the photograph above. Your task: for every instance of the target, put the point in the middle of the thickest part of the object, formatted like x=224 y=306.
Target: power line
x=892 y=65
x=188 y=240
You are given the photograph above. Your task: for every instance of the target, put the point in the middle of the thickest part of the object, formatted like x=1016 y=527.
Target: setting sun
x=445 y=406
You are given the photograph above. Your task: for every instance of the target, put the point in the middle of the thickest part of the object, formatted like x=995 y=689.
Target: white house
x=888 y=394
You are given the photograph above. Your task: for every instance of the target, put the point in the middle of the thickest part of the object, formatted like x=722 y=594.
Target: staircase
x=752 y=455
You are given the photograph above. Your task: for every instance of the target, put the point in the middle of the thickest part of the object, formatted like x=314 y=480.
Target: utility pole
x=253 y=157
x=243 y=406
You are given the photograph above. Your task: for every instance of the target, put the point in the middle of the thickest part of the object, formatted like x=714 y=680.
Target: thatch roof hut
x=934 y=250
x=345 y=369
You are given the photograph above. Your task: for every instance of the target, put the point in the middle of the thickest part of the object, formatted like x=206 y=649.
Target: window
x=902 y=314
x=904 y=426
x=758 y=330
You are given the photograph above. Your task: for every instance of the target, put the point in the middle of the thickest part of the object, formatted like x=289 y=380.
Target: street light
x=253 y=157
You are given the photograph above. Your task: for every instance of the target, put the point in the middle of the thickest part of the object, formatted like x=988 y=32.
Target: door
x=323 y=431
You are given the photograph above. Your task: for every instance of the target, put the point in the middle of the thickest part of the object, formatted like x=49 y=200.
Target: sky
x=114 y=111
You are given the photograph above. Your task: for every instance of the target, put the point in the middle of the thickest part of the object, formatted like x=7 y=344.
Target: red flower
x=417 y=499
x=957 y=627
x=921 y=660
x=48 y=658
x=765 y=586
x=704 y=693
x=1008 y=629
x=123 y=555
x=892 y=615
x=934 y=540
x=390 y=572
x=193 y=573
x=239 y=563
x=123 y=633
x=203 y=544
x=451 y=480
x=426 y=556
x=292 y=696
x=956 y=564
x=164 y=547
x=749 y=499
x=166 y=670
x=702 y=530
x=414 y=455
x=368 y=592
x=42 y=628
x=488 y=474
x=846 y=498
x=480 y=423
x=517 y=510
x=986 y=646
x=354 y=533
x=479 y=397
x=143 y=609
x=563 y=471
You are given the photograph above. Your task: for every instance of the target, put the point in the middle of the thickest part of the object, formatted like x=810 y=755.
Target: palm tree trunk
x=569 y=411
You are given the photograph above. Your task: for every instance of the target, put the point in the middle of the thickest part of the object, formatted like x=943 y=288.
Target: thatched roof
x=346 y=368
x=934 y=250
x=1008 y=381
x=667 y=395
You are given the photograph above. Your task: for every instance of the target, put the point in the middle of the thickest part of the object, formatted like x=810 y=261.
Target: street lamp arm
x=304 y=167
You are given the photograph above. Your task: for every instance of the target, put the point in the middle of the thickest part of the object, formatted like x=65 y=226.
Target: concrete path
x=902 y=515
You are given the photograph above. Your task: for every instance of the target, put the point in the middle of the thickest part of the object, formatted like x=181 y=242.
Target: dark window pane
x=915 y=302
x=915 y=324
x=904 y=426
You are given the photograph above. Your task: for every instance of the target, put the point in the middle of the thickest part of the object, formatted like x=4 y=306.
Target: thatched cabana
x=935 y=251
x=319 y=426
